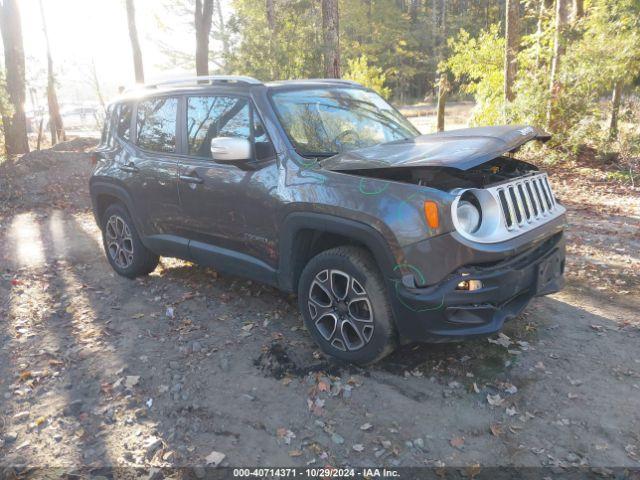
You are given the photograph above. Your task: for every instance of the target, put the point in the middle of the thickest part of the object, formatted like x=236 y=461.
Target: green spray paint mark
x=363 y=190
x=413 y=268
x=413 y=309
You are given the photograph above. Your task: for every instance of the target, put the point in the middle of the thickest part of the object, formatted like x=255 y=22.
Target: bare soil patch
x=97 y=370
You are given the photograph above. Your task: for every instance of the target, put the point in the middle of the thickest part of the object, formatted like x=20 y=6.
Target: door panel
x=229 y=207
x=152 y=167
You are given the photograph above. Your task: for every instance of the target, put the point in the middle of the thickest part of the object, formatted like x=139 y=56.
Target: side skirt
x=222 y=259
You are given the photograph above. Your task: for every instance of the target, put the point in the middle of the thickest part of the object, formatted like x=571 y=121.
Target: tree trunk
x=271 y=23
x=271 y=14
x=55 y=119
x=15 y=122
x=578 y=9
x=96 y=86
x=512 y=42
x=443 y=90
x=443 y=23
x=135 y=44
x=615 y=109
x=330 y=37
x=40 y=134
x=413 y=10
x=558 y=52
x=203 y=17
x=222 y=29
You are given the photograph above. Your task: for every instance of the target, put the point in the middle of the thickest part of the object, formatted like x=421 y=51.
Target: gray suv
x=320 y=187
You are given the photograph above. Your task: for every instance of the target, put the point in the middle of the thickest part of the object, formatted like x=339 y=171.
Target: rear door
x=153 y=172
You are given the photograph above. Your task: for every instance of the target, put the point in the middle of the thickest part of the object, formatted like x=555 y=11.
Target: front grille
x=511 y=208
x=526 y=202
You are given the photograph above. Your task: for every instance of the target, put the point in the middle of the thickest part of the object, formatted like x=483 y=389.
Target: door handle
x=129 y=168
x=191 y=179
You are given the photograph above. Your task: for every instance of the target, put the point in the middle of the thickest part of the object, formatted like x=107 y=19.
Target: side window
x=156 y=124
x=105 y=138
x=210 y=117
x=123 y=121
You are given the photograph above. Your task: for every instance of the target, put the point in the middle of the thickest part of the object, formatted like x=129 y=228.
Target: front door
x=227 y=210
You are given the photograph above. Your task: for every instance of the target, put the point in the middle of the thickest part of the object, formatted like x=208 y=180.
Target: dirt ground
x=97 y=370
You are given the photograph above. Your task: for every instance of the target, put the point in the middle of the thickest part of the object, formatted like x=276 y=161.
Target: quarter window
x=123 y=120
x=222 y=116
x=156 y=124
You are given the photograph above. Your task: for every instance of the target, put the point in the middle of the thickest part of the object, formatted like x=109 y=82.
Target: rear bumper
x=442 y=313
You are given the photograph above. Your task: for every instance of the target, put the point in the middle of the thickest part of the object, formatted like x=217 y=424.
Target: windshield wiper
x=318 y=154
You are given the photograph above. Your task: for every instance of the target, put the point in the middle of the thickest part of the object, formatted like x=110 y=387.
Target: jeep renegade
x=320 y=187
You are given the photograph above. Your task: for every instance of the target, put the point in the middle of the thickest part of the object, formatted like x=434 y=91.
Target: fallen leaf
x=366 y=426
x=285 y=434
x=495 y=400
x=502 y=340
x=511 y=389
x=215 y=458
x=295 y=453
x=131 y=381
x=496 y=430
x=457 y=442
x=138 y=315
x=473 y=470
x=358 y=447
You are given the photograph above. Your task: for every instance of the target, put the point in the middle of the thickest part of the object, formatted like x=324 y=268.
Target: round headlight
x=468 y=216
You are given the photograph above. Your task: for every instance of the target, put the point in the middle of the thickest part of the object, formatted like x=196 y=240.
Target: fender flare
x=98 y=188
x=320 y=222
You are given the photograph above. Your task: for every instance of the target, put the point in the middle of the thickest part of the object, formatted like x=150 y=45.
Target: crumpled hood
x=462 y=149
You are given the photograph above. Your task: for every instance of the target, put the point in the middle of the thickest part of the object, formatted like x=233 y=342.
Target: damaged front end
x=496 y=196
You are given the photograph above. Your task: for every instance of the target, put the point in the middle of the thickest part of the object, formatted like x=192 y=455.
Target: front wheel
x=345 y=305
x=125 y=252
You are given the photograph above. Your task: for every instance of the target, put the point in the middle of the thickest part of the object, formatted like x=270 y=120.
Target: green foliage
x=359 y=70
x=291 y=50
x=477 y=63
x=404 y=43
x=601 y=48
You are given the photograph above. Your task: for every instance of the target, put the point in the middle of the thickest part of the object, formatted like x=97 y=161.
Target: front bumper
x=442 y=313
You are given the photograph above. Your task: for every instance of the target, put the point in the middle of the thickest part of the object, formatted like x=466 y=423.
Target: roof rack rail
x=330 y=80
x=198 y=80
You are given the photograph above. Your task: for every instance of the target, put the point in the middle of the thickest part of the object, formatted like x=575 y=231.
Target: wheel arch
x=104 y=194
x=304 y=235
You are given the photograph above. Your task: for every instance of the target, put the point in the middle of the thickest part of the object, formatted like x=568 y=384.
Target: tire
x=123 y=248
x=359 y=328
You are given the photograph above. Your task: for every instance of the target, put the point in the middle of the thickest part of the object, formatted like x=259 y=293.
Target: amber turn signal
x=431 y=213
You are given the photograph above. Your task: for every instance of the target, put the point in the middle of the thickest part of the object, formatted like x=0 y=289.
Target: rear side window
x=106 y=126
x=156 y=124
x=123 y=121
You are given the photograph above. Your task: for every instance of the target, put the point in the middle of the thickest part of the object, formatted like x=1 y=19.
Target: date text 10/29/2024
x=316 y=472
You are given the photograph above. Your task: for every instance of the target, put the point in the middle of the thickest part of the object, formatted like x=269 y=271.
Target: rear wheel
x=345 y=305
x=125 y=252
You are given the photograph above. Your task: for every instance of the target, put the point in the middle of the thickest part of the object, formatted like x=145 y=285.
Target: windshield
x=325 y=122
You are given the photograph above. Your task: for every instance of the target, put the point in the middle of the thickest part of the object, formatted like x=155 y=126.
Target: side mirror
x=230 y=149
